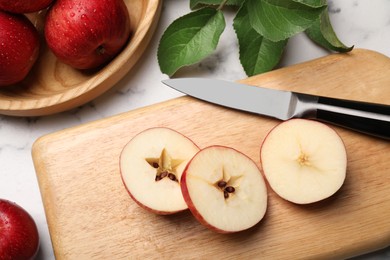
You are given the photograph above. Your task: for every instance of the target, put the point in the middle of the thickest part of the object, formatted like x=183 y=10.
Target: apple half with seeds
x=224 y=189
x=304 y=161
x=151 y=166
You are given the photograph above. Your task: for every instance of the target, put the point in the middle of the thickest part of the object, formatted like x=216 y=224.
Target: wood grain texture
x=91 y=216
x=52 y=86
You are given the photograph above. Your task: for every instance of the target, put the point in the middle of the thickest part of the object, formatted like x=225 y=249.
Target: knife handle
x=369 y=118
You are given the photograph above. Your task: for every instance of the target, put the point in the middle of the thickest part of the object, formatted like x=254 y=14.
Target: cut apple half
x=304 y=161
x=224 y=189
x=151 y=166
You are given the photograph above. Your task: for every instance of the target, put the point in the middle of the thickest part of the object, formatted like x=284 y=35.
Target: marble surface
x=364 y=24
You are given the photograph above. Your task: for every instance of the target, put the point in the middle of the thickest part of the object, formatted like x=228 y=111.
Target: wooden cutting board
x=91 y=216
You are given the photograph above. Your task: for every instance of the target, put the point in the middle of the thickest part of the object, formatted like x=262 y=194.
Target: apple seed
x=222 y=184
x=172 y=177
x=230 y=189
x=163 y=174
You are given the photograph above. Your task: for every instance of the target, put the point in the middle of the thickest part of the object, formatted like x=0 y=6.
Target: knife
x=368 y=118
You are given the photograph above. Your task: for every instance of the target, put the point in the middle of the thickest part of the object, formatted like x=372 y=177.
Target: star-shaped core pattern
x=228 y=184
x=165 y=166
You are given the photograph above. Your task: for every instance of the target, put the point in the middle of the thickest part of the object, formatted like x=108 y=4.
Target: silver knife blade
x=270 y=102
x=369 y=118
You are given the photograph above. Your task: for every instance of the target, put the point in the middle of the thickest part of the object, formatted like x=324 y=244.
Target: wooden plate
x=52 y=86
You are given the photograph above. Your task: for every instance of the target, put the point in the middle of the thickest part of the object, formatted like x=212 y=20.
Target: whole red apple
x=19 y=47
x=24 y=6
x=19 y=238
x=87 y=33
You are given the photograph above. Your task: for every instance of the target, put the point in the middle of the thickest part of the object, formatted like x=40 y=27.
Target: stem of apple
x=101 y=50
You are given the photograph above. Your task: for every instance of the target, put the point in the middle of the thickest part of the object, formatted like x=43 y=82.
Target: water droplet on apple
x=83 y=16
x=72 y=14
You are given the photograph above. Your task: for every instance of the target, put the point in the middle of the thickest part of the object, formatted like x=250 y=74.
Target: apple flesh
x=89 y=33
x=19 y=47
x=24 y=6
x=304 y=161
x=151 y=166
x=19 y=238
x=224 y=189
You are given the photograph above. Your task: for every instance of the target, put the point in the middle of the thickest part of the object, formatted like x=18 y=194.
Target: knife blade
x=368 y=118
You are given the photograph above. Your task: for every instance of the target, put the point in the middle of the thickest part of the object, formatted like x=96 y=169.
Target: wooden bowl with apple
x=52 y=86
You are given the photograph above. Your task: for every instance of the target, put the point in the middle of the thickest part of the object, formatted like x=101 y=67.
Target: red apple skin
x=158 y=212
x=19 y=47
x=191 y=207
x=19 y=238
x=86 y=34
x=24 y=6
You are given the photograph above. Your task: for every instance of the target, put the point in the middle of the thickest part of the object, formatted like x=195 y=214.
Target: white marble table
x=365 y=24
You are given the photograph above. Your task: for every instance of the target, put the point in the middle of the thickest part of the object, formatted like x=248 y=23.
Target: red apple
x=19 y=238
x=19 y=47
x=87 y=33
x=24 y=6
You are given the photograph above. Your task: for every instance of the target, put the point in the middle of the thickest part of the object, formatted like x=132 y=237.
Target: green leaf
x=323 y=34
x=312 y=3
x=194 y=4
x=257 y=54
x=278 y=20
x=190 y=39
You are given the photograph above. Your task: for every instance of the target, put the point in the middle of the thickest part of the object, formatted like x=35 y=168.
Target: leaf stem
x=222 y=4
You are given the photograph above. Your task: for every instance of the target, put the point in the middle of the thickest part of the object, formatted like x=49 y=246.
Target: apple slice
x=151 y=166
x=224 y=189
x=304 y=161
